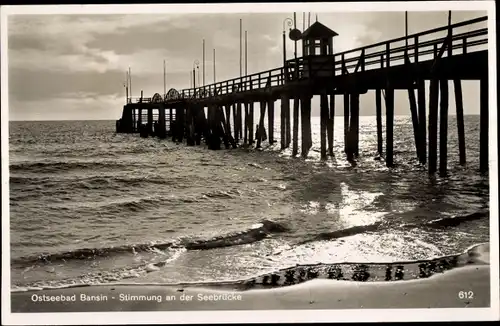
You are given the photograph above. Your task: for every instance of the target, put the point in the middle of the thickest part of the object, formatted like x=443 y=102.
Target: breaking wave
x=256 y=233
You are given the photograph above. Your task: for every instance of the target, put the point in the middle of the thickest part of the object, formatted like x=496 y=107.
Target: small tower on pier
x=317 y=47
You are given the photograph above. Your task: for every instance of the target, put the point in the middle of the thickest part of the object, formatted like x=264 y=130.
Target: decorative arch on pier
x=157 y=98
x=172 y=94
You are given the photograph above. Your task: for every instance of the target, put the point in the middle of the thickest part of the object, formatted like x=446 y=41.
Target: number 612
x=466 y=295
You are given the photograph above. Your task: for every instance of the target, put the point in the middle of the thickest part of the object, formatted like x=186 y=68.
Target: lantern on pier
x=317 y=49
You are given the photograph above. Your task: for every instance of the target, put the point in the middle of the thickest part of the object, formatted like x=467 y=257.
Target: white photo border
x=253 y=316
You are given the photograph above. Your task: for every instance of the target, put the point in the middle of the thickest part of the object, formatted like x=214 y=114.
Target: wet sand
x=438 y=291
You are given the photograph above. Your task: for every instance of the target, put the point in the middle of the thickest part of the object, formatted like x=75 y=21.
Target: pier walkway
x=454 y=52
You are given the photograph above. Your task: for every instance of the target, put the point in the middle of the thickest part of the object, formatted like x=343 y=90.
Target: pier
x=222 y=113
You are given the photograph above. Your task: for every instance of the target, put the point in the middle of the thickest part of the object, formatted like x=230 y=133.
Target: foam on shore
x=439 y=291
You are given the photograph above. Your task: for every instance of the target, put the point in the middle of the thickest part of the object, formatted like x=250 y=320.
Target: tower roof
x=318 y=30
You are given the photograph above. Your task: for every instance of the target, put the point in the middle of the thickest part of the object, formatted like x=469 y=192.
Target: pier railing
x=427 y=45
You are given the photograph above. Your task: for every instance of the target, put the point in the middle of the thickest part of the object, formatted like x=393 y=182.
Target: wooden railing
x=385 y=54
x=392 y=52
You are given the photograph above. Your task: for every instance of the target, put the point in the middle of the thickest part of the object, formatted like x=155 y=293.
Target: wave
x=40 y=167
x=453 y=221
x=256 y=233
x=477 y=254
x=384 y=225
x=84 y=183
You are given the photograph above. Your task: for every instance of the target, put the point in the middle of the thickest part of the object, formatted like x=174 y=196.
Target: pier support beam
x=285 y=108
x=288 y=124
x=134 y=121
x=378 y=105
x=389 y=104
x=161 y=132
x=239 y=122
x=330 y=124
x=346 y=123
x=227 y=124
x=422 y=129
x=443 y=127
x=414 y=119
x=170 y=119
x=483 y=125
x=270 y=121
x=139 y=119
x=150 y=121
x=295 y=145
x=250 y=123
x=354 y=126
x=235 y=121
x=460 y=120
x=305 y=100
x=324 y=117
x=433 y=120
x=245 y=129
x=260 y=128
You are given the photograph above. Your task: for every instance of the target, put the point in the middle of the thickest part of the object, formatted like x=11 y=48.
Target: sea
x=89 y=206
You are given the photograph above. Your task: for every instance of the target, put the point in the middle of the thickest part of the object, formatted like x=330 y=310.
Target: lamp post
x=288 y=21
x=196 y=65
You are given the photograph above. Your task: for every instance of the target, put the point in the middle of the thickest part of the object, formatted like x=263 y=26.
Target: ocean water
x=91 y=206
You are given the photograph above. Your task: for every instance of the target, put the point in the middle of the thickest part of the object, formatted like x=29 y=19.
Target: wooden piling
x=282 y=126
x=139 y=119
x=460 y=120
x=134 y=121
x=240 y=120
x=305 y=101
x=346 y=123
x=245 y=128
x=161 y=132
x=483 y=125
x=150 y=121
x=227 y=124
x=443 y=127
x=324 y=116
x=331 y=124
x=270 y=121
x=285 y=106
x=422 y=116
x=170 y=118
x=295 y=138
x=414 y=119
x=389 y=104
x=433 y=120
x=378 y=105
x=261 y=130
x=354 y=125
x=288 y=133
x=235 y=122
x=250 y=124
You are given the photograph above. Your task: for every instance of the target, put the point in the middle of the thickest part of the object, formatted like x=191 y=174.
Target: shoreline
x=463 y=287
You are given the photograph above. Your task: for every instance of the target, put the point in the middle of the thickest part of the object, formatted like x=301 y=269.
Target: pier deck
x=438 y=55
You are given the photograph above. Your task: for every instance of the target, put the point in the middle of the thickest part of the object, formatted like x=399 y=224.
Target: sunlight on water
x=351 y=209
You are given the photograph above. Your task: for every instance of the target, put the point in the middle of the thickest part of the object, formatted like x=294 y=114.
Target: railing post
x=464 y=45
x=363 y=60
x=387 y=55
x=435 y=50
x=343 y=64
x=416 y=49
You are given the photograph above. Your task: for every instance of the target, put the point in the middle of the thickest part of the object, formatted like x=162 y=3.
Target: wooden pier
x=439 y=55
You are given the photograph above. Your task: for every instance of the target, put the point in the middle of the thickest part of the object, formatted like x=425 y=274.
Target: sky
x=73 y=67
